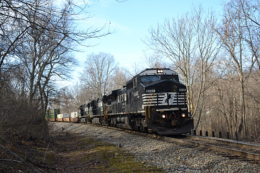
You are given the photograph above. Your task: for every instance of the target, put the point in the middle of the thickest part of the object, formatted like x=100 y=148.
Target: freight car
x=55 y=115
x=59 y=117
x=51 y=114
x=153 y=100
x=74 y=117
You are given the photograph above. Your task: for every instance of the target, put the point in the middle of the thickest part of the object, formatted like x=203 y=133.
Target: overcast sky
x=130 y=21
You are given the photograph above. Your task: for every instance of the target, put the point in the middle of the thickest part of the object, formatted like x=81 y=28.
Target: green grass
x=110 y=158
x=73 y=153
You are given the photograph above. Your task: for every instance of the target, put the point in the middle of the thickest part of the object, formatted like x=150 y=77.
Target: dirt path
x=70 y=153
x=77 y=153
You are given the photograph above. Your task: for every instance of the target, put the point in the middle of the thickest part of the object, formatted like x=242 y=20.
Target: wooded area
x=219 y=64
x=37 y=39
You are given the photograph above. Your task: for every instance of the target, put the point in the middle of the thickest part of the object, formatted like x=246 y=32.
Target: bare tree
x=40 y=39
x=87 y=90
x=119 y=78
x=190 y=43
x=37 y=39
x=242 y=48
x=44 y=53
x=98 y=73
x=10 y=36
x=250 y=14
x=64 y=100
x=155 y=61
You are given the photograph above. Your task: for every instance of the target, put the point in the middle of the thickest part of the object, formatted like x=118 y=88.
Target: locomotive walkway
x=164 y=152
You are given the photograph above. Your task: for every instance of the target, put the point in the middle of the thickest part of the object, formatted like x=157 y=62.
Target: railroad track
x=248 y=151
x=228 y=148
x=225 y=147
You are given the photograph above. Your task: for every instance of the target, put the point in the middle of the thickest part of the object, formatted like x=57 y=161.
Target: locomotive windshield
x=150 y=78
x=170 y=77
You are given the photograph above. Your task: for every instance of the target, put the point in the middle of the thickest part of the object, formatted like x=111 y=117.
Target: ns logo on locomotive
x=153 y=100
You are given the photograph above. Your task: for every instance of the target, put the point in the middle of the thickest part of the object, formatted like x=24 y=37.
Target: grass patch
x=104 y=157
x=71 y=153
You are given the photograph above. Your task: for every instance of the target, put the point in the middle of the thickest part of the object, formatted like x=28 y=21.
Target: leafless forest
x=217 y=58
x=219 y=63
x=37 y=39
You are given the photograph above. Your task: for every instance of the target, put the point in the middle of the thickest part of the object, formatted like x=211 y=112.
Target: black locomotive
x=154 y=100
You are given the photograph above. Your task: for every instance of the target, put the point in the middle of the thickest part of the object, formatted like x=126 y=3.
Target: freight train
x=152 y=101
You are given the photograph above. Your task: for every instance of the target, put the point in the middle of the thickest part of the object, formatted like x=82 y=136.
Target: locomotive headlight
x=159 y=71
x=163 y=116
x=183 y=115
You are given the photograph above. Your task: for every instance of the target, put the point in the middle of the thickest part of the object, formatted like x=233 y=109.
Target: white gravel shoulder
x=168 y=156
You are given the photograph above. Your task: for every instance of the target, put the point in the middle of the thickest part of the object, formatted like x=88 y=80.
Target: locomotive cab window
x=170 y=77
x=149 y=79
x=135 y=82
x=129 y=85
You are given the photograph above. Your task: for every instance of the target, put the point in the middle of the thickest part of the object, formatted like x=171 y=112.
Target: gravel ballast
x=168 y=156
